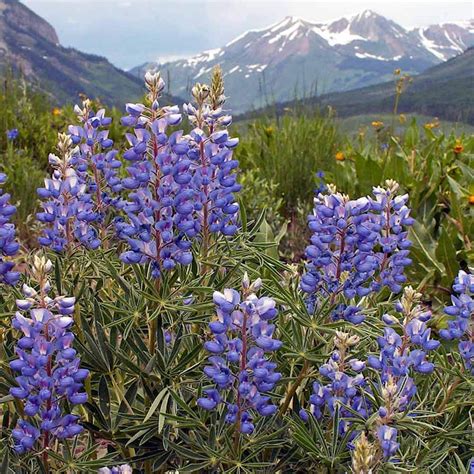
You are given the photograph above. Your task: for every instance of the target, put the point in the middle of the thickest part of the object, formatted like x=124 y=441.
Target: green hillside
x=445 y=91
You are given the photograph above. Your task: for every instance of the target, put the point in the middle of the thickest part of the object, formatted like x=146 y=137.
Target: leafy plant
x=196 y=348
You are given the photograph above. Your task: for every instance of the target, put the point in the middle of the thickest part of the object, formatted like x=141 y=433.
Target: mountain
x=300 y=58
x=446 y=40
x=444 y=91
x=30 y=45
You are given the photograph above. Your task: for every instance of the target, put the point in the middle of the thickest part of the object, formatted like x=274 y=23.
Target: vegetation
x=307 y=381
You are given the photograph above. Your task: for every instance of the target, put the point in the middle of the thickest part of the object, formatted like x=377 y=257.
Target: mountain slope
x=444 y=91
x=297 y=57
x=30 y=45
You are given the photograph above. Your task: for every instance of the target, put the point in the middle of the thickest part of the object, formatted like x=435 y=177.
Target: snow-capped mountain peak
x=446 y=40
x=295 y=54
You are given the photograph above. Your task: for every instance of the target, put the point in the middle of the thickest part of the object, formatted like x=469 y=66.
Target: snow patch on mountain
x=337 y=38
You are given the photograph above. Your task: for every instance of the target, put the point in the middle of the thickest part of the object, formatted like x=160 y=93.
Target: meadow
x=167 y=305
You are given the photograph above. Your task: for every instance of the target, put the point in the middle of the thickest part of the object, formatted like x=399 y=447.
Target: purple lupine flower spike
x=461 y=313
x=68 y=209
x=404 y=349
x=8 y=245
x=357 y=247
x=160 y=210
x=243 y=336
x=48 y=369
x=95 y=160
x=344 y=386
x=211 y=149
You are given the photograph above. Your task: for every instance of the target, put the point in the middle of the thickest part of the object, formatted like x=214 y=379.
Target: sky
x=131 y=32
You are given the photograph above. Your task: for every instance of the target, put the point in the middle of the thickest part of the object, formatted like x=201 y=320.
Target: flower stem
x=451 y=389
x=205 y=223
x=294 y=387
x=243 y=363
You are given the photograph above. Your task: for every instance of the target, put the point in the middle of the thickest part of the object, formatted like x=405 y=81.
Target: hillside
x=445 y=91
x=30 y=46
x=300 y=58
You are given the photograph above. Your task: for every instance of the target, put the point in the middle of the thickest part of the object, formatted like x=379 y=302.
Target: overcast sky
x=131 y=32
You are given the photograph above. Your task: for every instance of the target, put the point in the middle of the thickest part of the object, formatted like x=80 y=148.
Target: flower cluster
x=344 y=387
x=357 y=246
x=462 y=311
x=160 y=210
x=214 y=179
x=180 y=185
x=12 y=134
x=8 y=245
x=321 y=186
x=122 y=469
x=363 y=455
x=399 y=356
x=243 y=336
x=95 y=161
x=47 y=365
x=68 y=209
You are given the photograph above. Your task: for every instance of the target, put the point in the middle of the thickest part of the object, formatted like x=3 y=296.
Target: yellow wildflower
x=377 y=124
x=340 y=156
x=471 y=199
x=402 y=118
x=269 y=131
x=458 y=148
x=56 y=111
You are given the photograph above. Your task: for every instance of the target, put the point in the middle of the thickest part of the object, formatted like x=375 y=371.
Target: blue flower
x=344 y=386
x=8 y=244
x=357 y=247
x=461 y=312
x=12 y=134
x=181 y=187
x=242 y=338
x=211 y=150
x=346 y=239
x=122 y=469
x=160 y=211
x=48 y=369
x=402 y=354
x=387 y=436
x=68 y=208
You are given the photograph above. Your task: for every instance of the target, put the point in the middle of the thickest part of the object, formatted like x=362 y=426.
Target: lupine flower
x=122 y=469
x=8 y=245
x=95 y=161
x=357 y=247
x=68 y=208
x=363 y=455
x=12 y=134
x=321 y=184
x=401 y=354
x=461 y=311
x=387 y=436
x=161 y=206
x=243 y=336
x=214 y=178
x=47 y=365
x=344 y=386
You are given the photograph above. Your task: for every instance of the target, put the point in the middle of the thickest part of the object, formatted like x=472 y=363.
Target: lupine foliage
x=157 y=330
